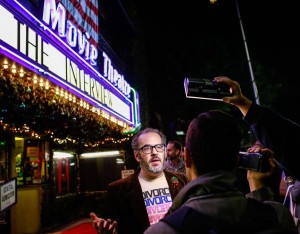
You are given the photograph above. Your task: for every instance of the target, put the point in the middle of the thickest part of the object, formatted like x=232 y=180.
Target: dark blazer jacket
x=125 y=202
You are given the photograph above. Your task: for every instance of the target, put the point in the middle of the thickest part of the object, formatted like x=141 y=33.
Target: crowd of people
x=204 y=197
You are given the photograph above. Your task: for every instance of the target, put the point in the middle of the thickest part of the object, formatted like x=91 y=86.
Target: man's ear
x=187 y=158
x=136 y=155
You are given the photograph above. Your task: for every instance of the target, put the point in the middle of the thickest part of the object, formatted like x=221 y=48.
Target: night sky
x=199 y=39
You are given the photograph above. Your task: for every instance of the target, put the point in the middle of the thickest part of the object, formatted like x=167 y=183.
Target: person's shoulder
x=272 y=212
x=283 y=213
x=279 y=208
x=123 y=181
x=171 y=175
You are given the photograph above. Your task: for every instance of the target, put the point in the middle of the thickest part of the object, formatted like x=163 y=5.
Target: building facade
x=68 y=109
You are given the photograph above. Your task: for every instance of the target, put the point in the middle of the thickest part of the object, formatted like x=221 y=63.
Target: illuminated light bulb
x=34 y=79
x=21 y=72
x=47 y=85
x=66 y=95
x=62 y=92
x=41 y=82
x=57 y=91
x=14 y=69
x=5 y=64
x=74 y=99
x=70 y=97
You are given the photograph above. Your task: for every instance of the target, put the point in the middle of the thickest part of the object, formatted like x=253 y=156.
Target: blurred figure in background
x=174 y=161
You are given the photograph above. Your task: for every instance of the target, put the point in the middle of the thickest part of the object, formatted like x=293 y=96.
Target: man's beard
x=149 y=168
x=173 y=157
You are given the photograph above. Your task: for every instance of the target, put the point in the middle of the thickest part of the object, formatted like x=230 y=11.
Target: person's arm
x=272 y=129
x=237 y=98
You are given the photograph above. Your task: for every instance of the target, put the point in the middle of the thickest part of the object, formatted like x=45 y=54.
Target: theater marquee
x=51 y=46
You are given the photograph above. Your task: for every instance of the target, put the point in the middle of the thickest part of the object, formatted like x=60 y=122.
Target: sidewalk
x=75 y=227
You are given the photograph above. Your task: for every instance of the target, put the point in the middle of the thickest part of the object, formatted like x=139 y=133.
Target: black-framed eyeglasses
x=147 y=149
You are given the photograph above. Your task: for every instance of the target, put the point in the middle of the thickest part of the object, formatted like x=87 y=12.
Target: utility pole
x=246 y=49
x=248 y=57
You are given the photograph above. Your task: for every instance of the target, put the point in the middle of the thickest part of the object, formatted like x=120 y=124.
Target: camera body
x=258 y=162
x=205 y=89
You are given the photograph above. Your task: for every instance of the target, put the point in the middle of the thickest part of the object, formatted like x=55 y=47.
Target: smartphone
x=205 y=89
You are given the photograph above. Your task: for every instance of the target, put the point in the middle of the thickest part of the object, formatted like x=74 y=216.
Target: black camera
x=254 y=161
x=205 y=89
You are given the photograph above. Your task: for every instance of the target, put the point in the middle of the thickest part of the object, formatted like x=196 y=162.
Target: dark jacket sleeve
x=277 y=133
x=125 y=205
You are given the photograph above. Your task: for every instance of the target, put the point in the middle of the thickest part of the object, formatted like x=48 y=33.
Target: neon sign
x=56 y=15
x=32 y=49
x=65 y=28
x=114 y=76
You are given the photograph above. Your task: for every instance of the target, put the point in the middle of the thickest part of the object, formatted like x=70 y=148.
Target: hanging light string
x=28 y=91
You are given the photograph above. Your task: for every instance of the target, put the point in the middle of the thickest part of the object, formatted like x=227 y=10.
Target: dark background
x=199 y=39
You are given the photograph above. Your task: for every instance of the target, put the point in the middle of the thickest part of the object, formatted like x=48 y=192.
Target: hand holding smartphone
x=205 y=89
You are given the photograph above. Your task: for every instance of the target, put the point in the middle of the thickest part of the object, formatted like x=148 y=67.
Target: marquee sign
x=56 y=49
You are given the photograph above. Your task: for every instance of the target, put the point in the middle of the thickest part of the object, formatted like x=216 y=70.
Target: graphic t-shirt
x=157 y=197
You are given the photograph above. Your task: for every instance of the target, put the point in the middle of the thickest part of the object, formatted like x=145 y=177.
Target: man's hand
x=103 y=226
x=237 y=98
x=256 y=179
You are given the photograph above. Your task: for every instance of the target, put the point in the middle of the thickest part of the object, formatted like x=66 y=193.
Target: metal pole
x=248 y=57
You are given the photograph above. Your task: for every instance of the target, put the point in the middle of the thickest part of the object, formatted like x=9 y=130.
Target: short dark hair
x=214 y=140
x=135 y=139
x=176 y=144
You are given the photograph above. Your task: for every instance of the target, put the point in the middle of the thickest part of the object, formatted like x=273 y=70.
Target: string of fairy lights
x=34 y=106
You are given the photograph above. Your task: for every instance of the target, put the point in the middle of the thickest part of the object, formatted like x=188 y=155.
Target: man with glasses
x=143 y=198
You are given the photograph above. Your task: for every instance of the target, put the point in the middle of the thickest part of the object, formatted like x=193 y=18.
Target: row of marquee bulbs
x=60 y=91
x=45 y=83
